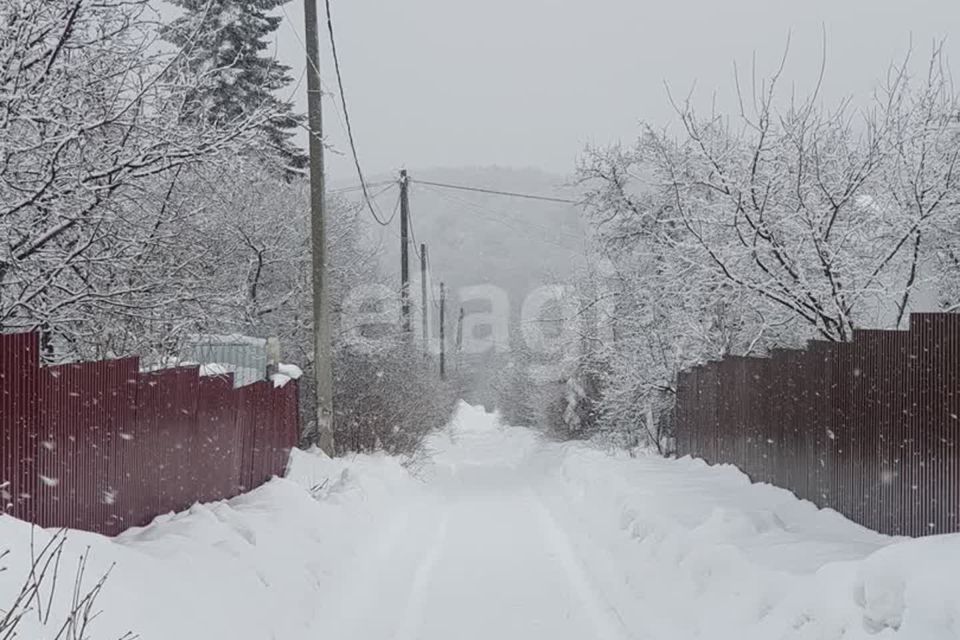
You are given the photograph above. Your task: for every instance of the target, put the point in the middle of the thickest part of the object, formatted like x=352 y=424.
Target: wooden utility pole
x=405 y=251
x=322 y=434
x=443 y=353
x=425 y=319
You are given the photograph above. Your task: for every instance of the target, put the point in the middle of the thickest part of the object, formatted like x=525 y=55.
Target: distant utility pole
x=459 y=337
x=425 y=320
x=405 y=250
x=443 y=349
x=322 y=434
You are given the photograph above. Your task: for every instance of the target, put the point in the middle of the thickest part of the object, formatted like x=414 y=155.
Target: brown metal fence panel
x=284 y=433
x=937 y=418
x=84 y=409
x=176 y=427
x=217 y=438
x=19 y=402
x=870 y=428
x=681 y=431
x=103 y=447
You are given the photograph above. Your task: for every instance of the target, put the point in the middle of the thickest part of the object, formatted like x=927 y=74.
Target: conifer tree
x=229 y=42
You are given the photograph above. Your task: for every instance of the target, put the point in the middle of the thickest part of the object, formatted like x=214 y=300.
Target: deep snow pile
x=685 y=550
x=502 y=530
x=680 y=549
x=248 y=568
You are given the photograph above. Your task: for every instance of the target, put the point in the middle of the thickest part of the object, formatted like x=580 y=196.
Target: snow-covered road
x=475 y=566
x=498 y=534
x=514 y=538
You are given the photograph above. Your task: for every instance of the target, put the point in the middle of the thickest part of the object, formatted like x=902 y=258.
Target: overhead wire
x=413 y=236
x=357 y=187
x=496 y=216
x=311 y=64
x=345 y=121
x=396 y=207
x=428 y=267
x=346 y=116
x=511 y=194
x=389 y=185
x=436 y=305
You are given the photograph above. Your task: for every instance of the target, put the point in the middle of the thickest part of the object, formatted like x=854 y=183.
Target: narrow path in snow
x=482 y=558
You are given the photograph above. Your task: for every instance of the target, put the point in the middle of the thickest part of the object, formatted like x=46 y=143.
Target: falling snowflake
x=50 y=482
x=109 y=496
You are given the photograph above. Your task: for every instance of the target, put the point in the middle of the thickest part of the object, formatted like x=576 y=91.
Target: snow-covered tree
x=784 y=222
x=92 y=140
x=229 y=42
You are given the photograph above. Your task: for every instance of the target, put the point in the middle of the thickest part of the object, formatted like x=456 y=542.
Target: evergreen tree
x=227 y=40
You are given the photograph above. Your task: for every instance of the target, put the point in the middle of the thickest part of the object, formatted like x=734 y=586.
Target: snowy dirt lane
x=499 y=568
x=514 y=538
x=481 y=557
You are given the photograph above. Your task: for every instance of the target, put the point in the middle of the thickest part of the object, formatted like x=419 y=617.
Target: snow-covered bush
x=66 y=606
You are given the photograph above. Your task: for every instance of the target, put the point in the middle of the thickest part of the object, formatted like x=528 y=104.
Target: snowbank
x=665 y=549
x=705 y=553
x=477 y=452
x=248 y=568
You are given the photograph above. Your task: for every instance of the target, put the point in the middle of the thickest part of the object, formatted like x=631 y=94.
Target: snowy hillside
x=479 y=238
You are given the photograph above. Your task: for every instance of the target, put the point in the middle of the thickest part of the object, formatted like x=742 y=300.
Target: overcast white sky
x=437 y=83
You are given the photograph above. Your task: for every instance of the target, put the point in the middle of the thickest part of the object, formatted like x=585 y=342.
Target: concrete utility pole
x=459 y=337
x=443 y=350
x=322 y=434
x=405 y=251
x=425 y=319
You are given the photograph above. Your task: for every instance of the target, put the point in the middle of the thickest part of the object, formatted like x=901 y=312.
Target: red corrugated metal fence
x=870 y=428
x=103 y=447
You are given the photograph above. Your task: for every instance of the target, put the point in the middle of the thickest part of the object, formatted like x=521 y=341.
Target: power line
x=345 y=120
x=346 y=117
x=433 y=297
x=413 y=237
x=396 y=208
x=376 y=195
x=510 y=194
x=357 y=187
x=495 y=216
x=389 y=186
x=311 y=64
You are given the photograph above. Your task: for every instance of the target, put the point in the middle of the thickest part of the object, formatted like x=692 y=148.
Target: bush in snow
x=40 y=597
x=388 y=399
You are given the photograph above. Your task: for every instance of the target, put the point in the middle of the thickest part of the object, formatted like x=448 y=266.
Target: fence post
x=273 y=356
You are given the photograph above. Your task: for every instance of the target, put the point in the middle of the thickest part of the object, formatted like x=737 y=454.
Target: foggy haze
x=528 y=82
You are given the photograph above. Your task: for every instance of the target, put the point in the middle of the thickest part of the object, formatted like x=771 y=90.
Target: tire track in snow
x=351 y=602
x=417 y=600
x=606 y=620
